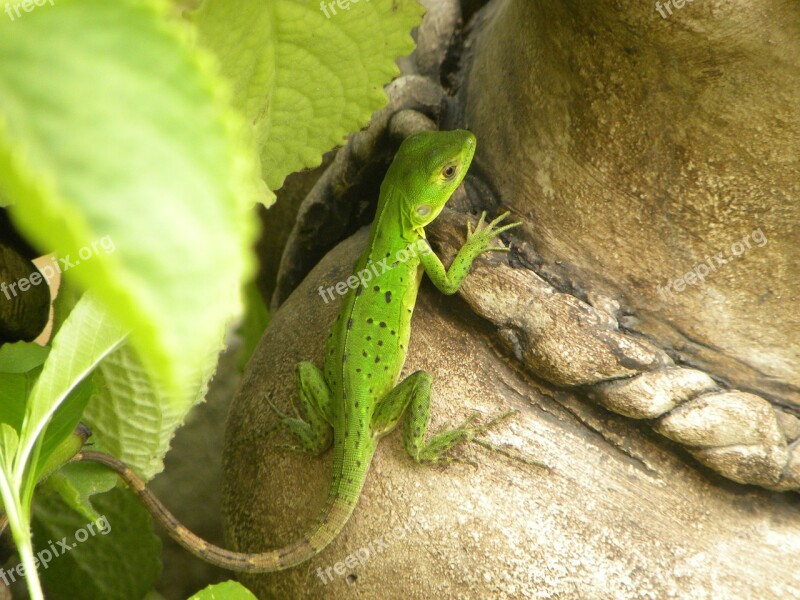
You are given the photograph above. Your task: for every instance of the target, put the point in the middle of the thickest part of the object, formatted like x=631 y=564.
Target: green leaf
x=14 y=389
x=120 y=151
x=19 y=368
x=304 y=80
x=88 y=335
x=9 y=440
x=133 y=418
x=68 y=296
x=60 y=441
x=228 y=590
x=21 y=357
x=120 y=564
x=77 y=483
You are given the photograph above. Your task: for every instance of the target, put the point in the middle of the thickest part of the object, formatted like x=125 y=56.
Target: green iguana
x=355 y=399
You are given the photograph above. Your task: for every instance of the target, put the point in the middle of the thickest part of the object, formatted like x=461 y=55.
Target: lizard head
x=428 y=168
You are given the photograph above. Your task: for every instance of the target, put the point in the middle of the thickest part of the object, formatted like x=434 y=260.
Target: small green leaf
x=61 y=442
x=77 y=483
x=14 y=390
x=68 y=296
x=9 y=440
x=228 y=590
x=21 y=357
x=19 y=367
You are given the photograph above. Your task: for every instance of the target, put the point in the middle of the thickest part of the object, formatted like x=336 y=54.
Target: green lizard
x=355 y=400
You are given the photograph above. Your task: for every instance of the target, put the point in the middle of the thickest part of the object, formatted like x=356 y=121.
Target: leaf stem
x=20 y=530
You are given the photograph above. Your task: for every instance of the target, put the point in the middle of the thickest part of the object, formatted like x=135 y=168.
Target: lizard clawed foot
x=436 y=450
x=457 y=459
x=284 y=423
x=282 y=415
x=510 y=455
x=497 y=420
x=292 y=448
x=503 y=451
x=296 y=427
x=483 y=234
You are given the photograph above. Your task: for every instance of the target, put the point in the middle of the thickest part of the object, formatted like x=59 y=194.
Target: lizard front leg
x=313 y=429
x=478 y=241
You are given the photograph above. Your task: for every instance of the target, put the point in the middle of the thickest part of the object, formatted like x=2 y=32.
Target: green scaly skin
x=356 y=398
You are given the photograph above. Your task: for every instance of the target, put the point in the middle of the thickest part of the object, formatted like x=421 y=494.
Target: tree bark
x=638 y=148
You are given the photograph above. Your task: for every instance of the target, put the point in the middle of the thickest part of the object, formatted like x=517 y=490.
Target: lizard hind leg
x=413 y=396
x=312 y=427
x=389 y=409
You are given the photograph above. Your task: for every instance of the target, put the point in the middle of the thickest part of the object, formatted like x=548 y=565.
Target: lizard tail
x=332 y=519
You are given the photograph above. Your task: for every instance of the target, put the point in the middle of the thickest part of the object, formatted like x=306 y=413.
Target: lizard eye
x=424 y=210
x=449 y=172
